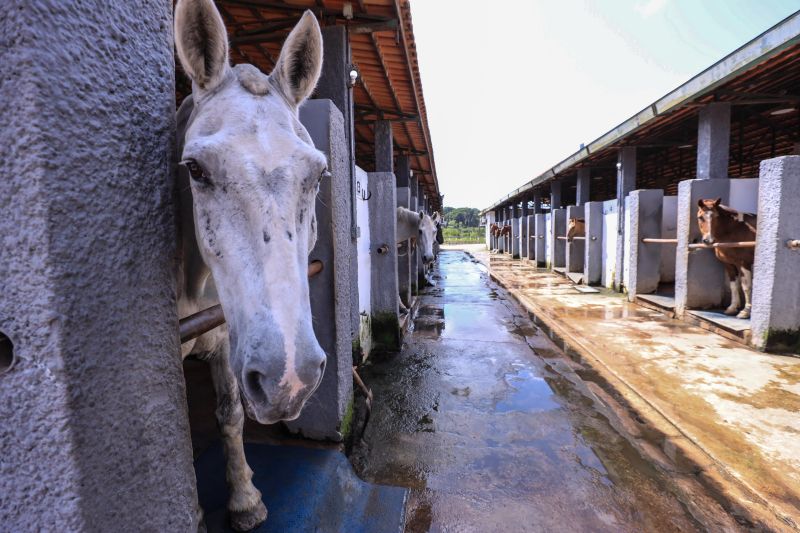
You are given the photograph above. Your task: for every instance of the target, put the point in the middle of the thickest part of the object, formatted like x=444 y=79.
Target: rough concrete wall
x=404 y=272
x=609 y=248
x=699 y=276
x=575 y=249
x=383 y=228
x=669 y=230
x=593 y=245
x=515 y=237
x=330 y=290
x=541 y=234
x=94 y=427
x=645 y=210
x=775 y=318
x=559 y=228
x=530 y=236
x=523 y=236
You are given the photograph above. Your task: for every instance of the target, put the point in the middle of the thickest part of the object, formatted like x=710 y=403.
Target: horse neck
x=407 y=224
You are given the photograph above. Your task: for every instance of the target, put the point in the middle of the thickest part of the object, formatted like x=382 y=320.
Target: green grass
x=464 y=235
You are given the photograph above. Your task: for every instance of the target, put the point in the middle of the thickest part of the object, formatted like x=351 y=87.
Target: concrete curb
x=734 y=495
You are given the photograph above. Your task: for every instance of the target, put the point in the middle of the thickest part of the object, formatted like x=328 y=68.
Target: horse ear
x=298 y=68
x=717 y=202
x=201 y=42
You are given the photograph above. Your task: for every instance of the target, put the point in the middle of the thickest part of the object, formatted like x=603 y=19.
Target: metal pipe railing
x=652 y=240
x=741 y=244
x=204 y=321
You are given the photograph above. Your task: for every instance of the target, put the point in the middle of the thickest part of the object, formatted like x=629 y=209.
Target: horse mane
x=748 y=219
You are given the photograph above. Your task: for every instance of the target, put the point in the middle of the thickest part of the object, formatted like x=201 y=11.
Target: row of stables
x=627 y=210
x=100 y=344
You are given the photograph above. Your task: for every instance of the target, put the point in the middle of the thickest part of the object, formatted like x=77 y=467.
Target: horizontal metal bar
x=650 y=240
x=204 y=321
x=742 y=244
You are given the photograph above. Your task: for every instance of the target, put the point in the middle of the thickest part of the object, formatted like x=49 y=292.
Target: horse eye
x=420 y=232
x=196 y=172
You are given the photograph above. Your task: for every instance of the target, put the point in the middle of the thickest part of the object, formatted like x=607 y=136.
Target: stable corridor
x=494 y=428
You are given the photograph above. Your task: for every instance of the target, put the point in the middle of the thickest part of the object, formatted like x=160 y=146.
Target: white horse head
x=428 y=228
x=254 y=177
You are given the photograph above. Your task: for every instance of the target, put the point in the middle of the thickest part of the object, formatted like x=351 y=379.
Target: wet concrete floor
x=487 y=423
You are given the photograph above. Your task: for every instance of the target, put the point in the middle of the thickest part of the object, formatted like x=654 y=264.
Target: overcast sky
x=514 y=87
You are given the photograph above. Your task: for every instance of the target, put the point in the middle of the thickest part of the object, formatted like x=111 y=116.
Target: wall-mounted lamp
x=619 y=166
x=353 y=73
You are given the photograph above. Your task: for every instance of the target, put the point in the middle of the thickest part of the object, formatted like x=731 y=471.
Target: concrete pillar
x=555 y=194
x=523 y=230
x=530 y=237
x=575 y=250
x=404 y=272
x=540 y=247
x=515 y=231
x=593 y=245
x=414 y=254
x=537 y=203
x=384 y=322
x=330 y=290
x=699 y=275
x=775 y=318
x=417 y=264
x=334 y=85
x=384 y=149
x=626 y=182
x=93 y=410
x=644 y=268
x=582 y=186
x=559 y=229
x=713 y=141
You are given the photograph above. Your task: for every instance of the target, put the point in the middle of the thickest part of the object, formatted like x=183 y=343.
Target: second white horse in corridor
x=249 y=178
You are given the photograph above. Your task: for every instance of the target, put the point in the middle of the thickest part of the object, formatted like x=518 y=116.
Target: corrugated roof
x=383 y=49
x=761 y=74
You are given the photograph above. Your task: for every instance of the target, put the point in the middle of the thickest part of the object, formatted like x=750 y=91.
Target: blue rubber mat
x=304 y=489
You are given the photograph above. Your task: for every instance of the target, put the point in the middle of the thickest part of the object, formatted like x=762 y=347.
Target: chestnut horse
x=576 y=227
x=720 y=223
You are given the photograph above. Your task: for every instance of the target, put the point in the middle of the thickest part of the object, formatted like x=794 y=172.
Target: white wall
x=363 y=244
x=548 y=239
x=744 y=195
x=626 y=252
x=669 y=230
x=609 y=242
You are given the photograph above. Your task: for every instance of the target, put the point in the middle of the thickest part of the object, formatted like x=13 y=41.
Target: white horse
x=422 y=229
x=248 y=182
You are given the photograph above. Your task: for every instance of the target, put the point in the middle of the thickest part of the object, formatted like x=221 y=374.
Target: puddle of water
x=529 y=393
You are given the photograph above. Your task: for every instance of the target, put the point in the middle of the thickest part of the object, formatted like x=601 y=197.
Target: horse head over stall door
x=248 y=181
x=720 y=224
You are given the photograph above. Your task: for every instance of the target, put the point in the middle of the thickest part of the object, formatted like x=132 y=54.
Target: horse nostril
x=254 y=386
x=322 y=368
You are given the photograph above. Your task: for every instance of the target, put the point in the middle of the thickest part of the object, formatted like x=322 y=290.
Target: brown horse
x=720 y=223
x=576 y=227
x=505 y=230
x=494 y=229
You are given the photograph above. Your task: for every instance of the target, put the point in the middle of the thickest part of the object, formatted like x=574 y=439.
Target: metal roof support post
x=582 y=189
x=713 y=141
x=626 y=182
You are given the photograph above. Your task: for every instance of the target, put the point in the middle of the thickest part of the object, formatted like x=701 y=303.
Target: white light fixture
x=347 y=10
x=619 y=166
x=353 y=73
x=783 y=111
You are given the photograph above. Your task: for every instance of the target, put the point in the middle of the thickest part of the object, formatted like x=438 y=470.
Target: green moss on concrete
x=385 y=332
x=782 y=340
x=347 y=420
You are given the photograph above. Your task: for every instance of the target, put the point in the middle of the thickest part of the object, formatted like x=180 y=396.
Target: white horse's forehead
x=263 y=126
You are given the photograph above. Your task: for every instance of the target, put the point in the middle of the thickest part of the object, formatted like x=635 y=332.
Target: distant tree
x=467 y=217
